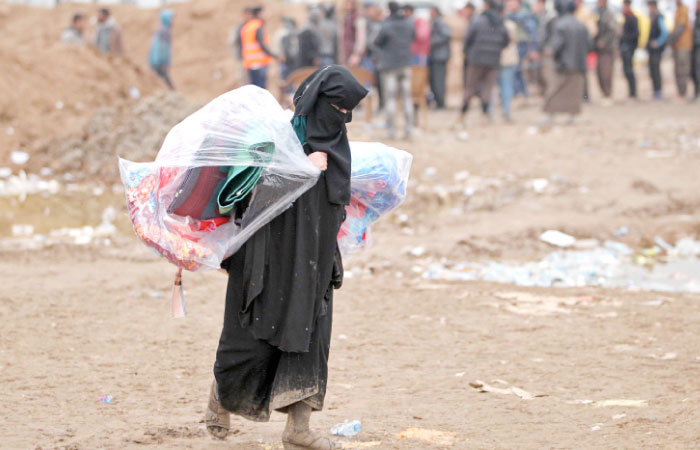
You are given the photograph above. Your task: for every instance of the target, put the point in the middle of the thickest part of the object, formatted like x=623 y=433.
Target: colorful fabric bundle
x=378 y=185
x=220 y=175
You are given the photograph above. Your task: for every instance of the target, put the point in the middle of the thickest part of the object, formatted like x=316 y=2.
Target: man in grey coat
x=394 y=65
x=486 y=38
x=438 y=57
x=605 y=42
x=569 y=45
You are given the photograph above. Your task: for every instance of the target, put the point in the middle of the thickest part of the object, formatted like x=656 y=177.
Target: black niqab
x=325 y=123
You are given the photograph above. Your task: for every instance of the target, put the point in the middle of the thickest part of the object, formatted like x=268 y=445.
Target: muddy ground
x=605 y=368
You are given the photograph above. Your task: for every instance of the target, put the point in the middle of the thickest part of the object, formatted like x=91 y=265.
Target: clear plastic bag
x=220 y=175
x=378 y=185
x=233 y=166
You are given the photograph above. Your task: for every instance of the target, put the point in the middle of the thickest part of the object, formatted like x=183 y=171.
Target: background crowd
x=519 y=47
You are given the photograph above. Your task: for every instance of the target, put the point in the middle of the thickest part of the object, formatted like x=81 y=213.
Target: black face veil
x=319 y=100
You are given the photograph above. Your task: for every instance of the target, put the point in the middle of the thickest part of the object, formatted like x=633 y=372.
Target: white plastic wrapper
x=378 y=185
x=220 y=175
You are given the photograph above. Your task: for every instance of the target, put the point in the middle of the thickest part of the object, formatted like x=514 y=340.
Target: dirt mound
x=49 y=90
x=133 y=131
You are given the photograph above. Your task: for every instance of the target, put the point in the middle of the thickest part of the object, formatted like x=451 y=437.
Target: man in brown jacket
x=682 y=44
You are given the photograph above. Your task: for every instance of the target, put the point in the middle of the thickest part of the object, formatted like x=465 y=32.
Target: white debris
x=19 y=158
x=557 y=238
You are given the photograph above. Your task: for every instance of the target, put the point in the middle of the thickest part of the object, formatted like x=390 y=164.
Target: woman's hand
x=319 y=160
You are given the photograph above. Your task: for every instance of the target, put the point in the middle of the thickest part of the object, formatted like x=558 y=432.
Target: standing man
x=255 y=54
x=108 y=35
x=509 y=63
x=527 y=44
x=310 y=40
x=570 y=45
x=328 y=28
x=486 y=39
x=74 y=33
x=467 y=13
x=605 y=49
x=540 y=66
x=658 y=35
x=394 y=64
x=696 y=51
x=440 y=36
x=629 y=40
x=159 y=56
x=682 y=45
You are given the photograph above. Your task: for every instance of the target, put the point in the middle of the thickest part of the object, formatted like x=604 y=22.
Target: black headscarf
x=325 y=124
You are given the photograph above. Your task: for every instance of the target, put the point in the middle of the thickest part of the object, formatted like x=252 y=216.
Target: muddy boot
x=298 y=436
x=218 y=420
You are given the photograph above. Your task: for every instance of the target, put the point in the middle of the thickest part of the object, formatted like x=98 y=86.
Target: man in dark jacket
x=569 y=46
x=658 y=36
x=439 y=56
x=393 y=44
x=605 y=48
x=696 y=52
x=628 y=44
x=486 y=38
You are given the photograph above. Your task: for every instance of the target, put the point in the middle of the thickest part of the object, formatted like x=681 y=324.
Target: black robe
x=274 y=345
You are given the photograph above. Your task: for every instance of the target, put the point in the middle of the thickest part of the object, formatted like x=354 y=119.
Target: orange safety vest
x=253 y=54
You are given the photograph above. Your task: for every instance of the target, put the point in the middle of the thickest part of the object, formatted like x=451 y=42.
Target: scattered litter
x=483 y=387
x=619 y=416
x=611 y=265
x=106 y=399
x=20 y=230
x=657 y=154
x=5 y=172
x=10 y=131
x=580 y=402
x=622 y=231
x=532 y=130
x=621 y=402
x=59 y=105
x=539 y=185
x=595 y=428
x=658 y=302
x=446 y=438
x=134 y=93
x=347 y=428
x=430 y=172
x=417 y=251
x=342 y=337
x=557 y=238
x=19 y=158
x=460 y=374
x=665 y=357
x=463 y=136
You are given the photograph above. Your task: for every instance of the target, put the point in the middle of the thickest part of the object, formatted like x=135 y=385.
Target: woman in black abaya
x=273 y=351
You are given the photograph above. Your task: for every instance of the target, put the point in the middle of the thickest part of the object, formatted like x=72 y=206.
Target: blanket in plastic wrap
x=233 y=166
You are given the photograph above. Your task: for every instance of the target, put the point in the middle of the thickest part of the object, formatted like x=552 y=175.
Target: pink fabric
x=421 y=44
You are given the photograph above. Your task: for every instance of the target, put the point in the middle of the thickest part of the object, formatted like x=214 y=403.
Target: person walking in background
x=682 y=44
x=287 y=41
x=310 y=40
x=420 y=47
x=354 y=28
x=108 y=35
x=394 y=65
x=467 y=13
x=73 y=35
x=255 y=53
x=604 y=44
x=588 y=19
x=160 y=54
x=486 y=39
x=539 y=65
x=658 y=35
x=328 y=28
x=440 y=36
x=629 y=40
x=527 y=44
x=509 y=62
x=570 y=45
x=696 y=52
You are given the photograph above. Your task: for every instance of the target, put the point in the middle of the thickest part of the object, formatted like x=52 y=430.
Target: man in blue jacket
x=658 y=35
x=160 y=54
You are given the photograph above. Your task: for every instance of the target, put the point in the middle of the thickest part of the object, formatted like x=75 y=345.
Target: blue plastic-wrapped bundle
x=378 y=185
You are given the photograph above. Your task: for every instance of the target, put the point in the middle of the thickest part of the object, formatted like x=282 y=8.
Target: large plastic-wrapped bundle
x=378 y=185
x=220 y=175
